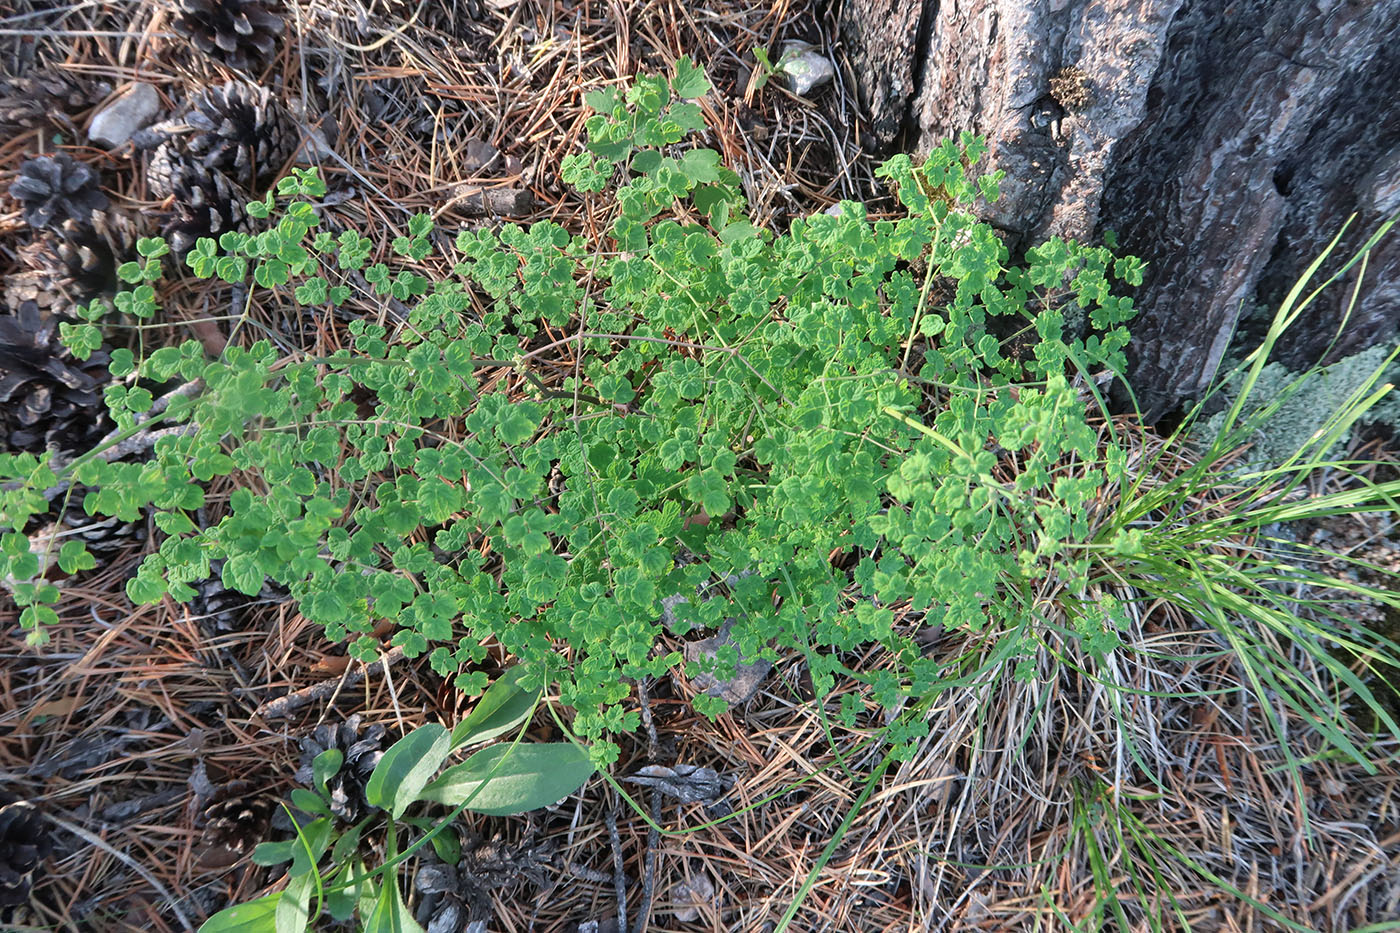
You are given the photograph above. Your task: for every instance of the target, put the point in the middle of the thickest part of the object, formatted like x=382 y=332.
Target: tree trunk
x=1224 y=141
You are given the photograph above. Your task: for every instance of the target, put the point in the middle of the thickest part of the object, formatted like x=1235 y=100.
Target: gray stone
x=805 y=67
x=132 y=110
x=686 y=783
x=318 y=134
x=696 y=893
x=749 y=673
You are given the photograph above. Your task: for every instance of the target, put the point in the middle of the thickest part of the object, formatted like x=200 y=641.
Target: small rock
x=200 y=785
x=314 y=148
x=696 y=893
x=476 y=156
x=748 y=675
x=477 y=201
x=132 y=110
x=1333 y=787
x=668 y=610
x=940 y=777
x=606 y=925
x=805 y=67
x=319 y=134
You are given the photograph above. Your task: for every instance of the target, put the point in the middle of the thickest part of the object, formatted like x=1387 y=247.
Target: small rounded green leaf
x=242 y=573
x=123 y=363
x=32 y=617
x=308 y=802
x=73 y=556
x=326 y=766
x=273 y=853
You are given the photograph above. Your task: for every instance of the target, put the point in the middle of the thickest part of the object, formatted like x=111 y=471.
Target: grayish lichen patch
x=1308 y=409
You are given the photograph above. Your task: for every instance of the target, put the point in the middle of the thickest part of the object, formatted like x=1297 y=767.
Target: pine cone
x=237 y=128
x=166 y=164
x=362 y=752
x=25 y=841
x=447 y=905
x=47 y=397
x=215 y=607
x=455 y=896
x=53 y=188
x=206 y=202
x=243 y=131
x=81 y=260
x=240 y=33
x=494 y=863
x=35 y=99
x=233 y=822
x=221 y=610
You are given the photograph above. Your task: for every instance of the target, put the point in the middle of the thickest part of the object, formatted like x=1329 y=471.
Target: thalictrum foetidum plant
x=859 y=414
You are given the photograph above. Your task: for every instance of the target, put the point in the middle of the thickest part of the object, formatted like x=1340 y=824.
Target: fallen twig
x=619 y=869
x=284 y=706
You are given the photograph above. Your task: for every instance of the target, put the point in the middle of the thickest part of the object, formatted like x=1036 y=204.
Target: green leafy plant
x=821 y=425
x=328 y=859
x=766 y=68
x=1185 y=528
x=736 y=405
x=778 y=386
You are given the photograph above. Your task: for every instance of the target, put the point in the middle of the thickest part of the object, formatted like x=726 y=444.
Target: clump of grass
x=1229 y=754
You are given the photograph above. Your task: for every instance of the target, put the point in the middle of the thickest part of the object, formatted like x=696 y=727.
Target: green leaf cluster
x=327 y=859
x=740 y=406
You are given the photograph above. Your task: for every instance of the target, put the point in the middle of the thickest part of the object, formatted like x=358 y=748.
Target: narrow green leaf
x=406 y=767
x=390 y=914
x=528 y=777
x=310 y=844
x=503 y=707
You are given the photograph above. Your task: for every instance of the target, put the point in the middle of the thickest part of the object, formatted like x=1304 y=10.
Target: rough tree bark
x=1225 y=141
